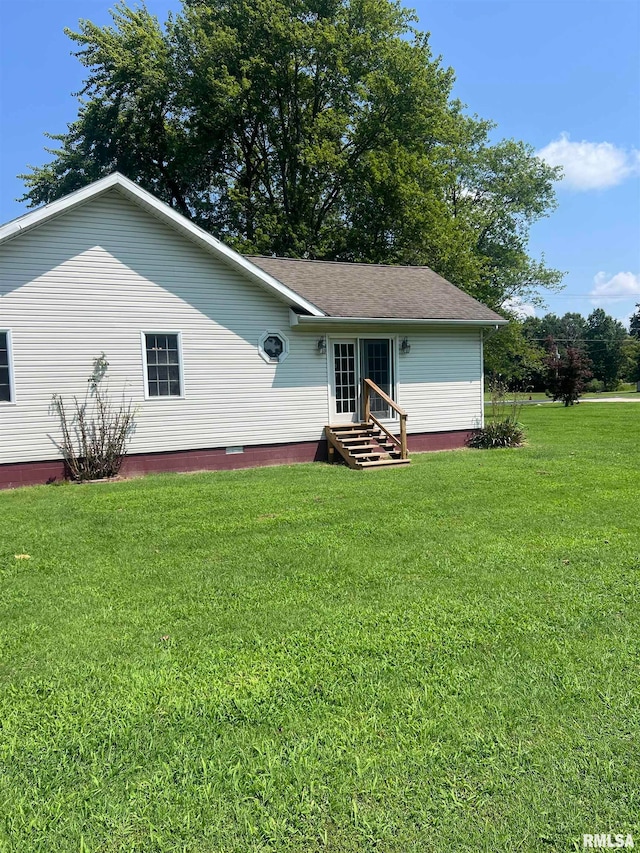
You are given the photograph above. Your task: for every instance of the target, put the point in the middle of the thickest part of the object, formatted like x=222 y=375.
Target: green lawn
x=439 y=658
x=627 y=391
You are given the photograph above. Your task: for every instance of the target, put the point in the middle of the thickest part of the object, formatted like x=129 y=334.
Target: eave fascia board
x=162 y=211
x=55 y=208
x=329 y=322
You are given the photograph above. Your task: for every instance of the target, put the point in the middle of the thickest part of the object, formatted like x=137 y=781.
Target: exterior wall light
x=405 y=347
x=322 y=346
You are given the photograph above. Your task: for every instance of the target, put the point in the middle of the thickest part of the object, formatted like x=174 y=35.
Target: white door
x=345 y=406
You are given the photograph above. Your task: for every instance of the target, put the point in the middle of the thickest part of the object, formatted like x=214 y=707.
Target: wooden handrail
x=388 y=433
x=385 y=397
x=369 y=386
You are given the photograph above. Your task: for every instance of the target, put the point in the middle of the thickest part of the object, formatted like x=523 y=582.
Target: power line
x=574 y=340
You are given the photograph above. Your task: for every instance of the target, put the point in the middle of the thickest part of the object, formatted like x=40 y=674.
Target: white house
x=230 y=361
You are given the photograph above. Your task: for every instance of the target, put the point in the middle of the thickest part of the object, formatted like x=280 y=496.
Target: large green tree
x=630 y=370
x=634 y=323
x=602 y=338
x=568 y=330
x=317 y=128
x=511 y=355
x=605 y=340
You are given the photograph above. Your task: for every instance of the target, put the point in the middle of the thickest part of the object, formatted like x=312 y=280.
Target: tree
x=605 y=338
x=568 y=330
x=305 y=128
x=567 y=372
x=600 y=336
x=631 y=366
x=634 y=323
x=509 y=354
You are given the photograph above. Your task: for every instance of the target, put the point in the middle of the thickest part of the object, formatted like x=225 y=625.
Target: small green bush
x=503 y=427
x=507 y=433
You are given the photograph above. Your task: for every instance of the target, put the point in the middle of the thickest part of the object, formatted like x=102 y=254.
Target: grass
x=441 y=658
x=627 y=391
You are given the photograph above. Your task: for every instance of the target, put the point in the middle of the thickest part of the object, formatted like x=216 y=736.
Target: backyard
x=443 y=657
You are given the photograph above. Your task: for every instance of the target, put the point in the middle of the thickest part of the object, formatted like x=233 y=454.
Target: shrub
x=503 y=428
x=594 y=386
x=506 y=433
x=96 y=433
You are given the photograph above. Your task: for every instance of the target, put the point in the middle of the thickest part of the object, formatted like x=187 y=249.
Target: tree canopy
x=517 y=351
x=568 y=330
x=605 y=338
x=306 y=128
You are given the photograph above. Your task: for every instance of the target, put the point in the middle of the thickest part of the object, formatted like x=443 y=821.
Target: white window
x=273 y=347
x=163 y=364
x=6 y=378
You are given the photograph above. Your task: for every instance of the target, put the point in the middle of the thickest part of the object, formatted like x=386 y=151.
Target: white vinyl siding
x=440 y=380
x=99 y=276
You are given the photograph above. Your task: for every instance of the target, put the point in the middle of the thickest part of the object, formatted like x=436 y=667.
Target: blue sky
x=563 y=75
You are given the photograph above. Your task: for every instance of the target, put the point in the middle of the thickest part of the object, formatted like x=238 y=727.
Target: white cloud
x=520 y=309
x=622 y=285
x=591 y=165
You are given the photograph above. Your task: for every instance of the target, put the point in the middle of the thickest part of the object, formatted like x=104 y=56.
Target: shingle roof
x=376 y=291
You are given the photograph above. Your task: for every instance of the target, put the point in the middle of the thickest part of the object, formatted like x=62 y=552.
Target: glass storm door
x=375 y=360
x=345 y=389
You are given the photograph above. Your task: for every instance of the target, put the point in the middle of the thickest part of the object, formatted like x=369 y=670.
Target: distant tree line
x=537 y=352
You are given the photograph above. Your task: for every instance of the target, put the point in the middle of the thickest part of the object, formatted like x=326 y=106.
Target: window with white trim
x=5 y=369
x=163 y=365
x=273 y=347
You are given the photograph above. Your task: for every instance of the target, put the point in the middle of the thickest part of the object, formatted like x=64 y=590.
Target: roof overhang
x=336 y=322
x=163 y=212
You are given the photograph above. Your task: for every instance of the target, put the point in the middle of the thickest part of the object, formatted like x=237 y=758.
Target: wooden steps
x=363 y=446
x=379 y=463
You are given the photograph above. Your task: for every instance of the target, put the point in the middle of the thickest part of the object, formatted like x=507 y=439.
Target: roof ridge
x=346 y=263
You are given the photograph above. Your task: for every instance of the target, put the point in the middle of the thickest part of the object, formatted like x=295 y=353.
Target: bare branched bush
x=95 y=433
